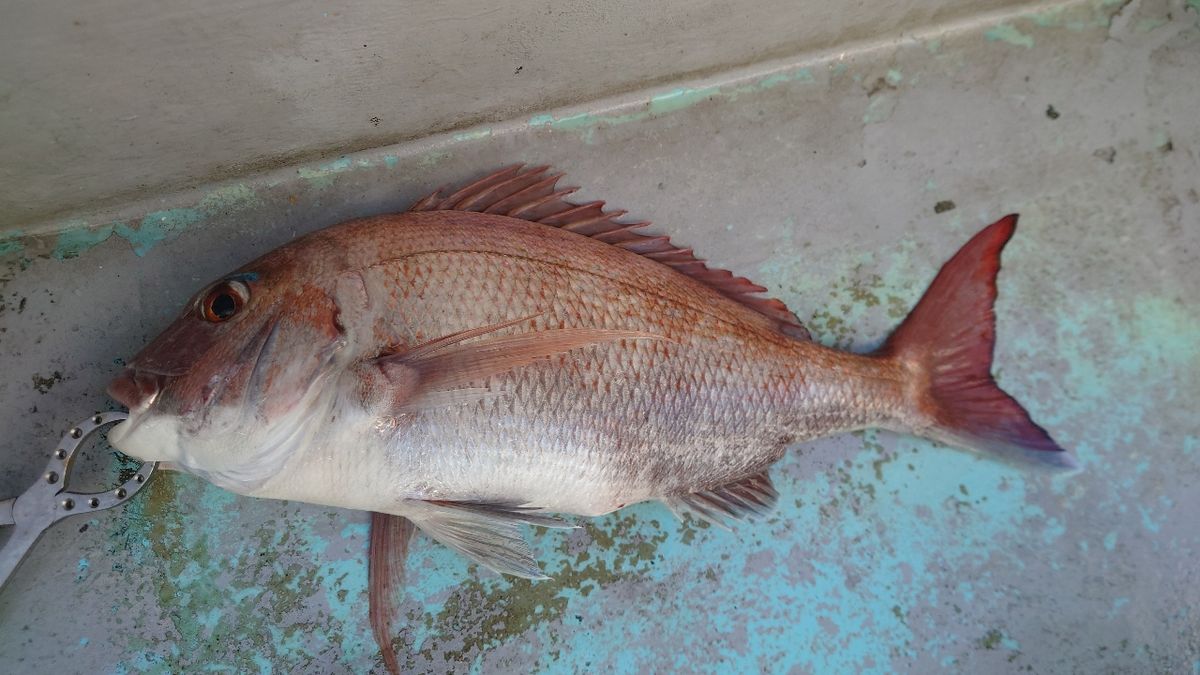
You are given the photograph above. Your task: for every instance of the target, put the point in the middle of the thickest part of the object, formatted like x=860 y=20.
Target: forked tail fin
x=947 y=342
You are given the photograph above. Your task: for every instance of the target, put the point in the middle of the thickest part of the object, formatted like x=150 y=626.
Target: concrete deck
x=841 y=180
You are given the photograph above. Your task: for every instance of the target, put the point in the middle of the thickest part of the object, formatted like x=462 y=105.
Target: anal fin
x=746 y=498
x=487 y=532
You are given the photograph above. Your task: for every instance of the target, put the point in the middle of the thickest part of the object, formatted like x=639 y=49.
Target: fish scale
x=717 y=393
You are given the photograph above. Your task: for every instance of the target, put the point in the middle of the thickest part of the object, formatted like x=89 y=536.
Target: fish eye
x=224 y=301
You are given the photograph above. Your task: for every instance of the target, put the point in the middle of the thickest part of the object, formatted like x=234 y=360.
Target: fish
x=499 y=355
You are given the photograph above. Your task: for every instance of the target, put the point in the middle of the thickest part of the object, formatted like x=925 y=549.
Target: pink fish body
x=500 y=353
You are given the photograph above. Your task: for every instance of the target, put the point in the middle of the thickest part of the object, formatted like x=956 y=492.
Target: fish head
x=220 y=391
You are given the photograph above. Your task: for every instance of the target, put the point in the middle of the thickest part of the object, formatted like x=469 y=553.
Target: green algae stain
x=1008 y=33
x=846 y=304
x=991 y=639
x=481 y=614
x=229 y=199
x=225 y=610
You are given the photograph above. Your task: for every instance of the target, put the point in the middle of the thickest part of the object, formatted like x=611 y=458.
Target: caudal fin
x=947 y=342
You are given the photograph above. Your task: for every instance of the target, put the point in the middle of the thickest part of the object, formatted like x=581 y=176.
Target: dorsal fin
x=530 y=194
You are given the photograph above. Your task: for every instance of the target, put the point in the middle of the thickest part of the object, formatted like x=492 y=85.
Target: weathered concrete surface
x=101 y=102
x=840 y=182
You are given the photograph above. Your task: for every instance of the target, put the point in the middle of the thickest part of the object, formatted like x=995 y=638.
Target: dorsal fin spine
x=503 y=206
x=570 y=214
x=521 y=209
x=503 y=174
x=583 y=224
x=520 y=179
x=624 y=229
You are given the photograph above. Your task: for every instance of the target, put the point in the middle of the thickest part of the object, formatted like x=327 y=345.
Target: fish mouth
x=137 y=390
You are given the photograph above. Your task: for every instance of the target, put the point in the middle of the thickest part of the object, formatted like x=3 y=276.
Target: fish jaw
x=232 y=449
x=149 y=437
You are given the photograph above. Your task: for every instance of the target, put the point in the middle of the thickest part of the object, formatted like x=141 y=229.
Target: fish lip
x=137 y=390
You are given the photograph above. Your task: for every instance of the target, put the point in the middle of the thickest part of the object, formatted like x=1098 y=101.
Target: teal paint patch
x=1148 y=25
x=879 y=109
x=1078 y=17
x=264 y=666
x=81 y=570
x=229 y=199
x=76 y=236
x=322 y=176
x=433 y=158
x=72 y=242
x=391 y=161
x=473 y=135
x=894 y=77
x=800 y=75
x=157 y=227
x=666 y=103
x=1148 y=521
x=1161 y=140
x=10 y=242
x=1110 y=541
x=1008 y=33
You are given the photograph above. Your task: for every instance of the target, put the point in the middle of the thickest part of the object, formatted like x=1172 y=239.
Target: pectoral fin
x=487 y=532
x=434 y=371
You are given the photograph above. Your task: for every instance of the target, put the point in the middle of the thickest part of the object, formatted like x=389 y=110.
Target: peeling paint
x=879 y=109
x=472 y=135
x=1009 y=34
x=666 y=103
x=75 y=240
x=156 y=227
x=229 y=199
x=322 y=176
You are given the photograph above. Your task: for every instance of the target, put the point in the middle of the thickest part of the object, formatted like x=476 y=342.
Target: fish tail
x=947 y=342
